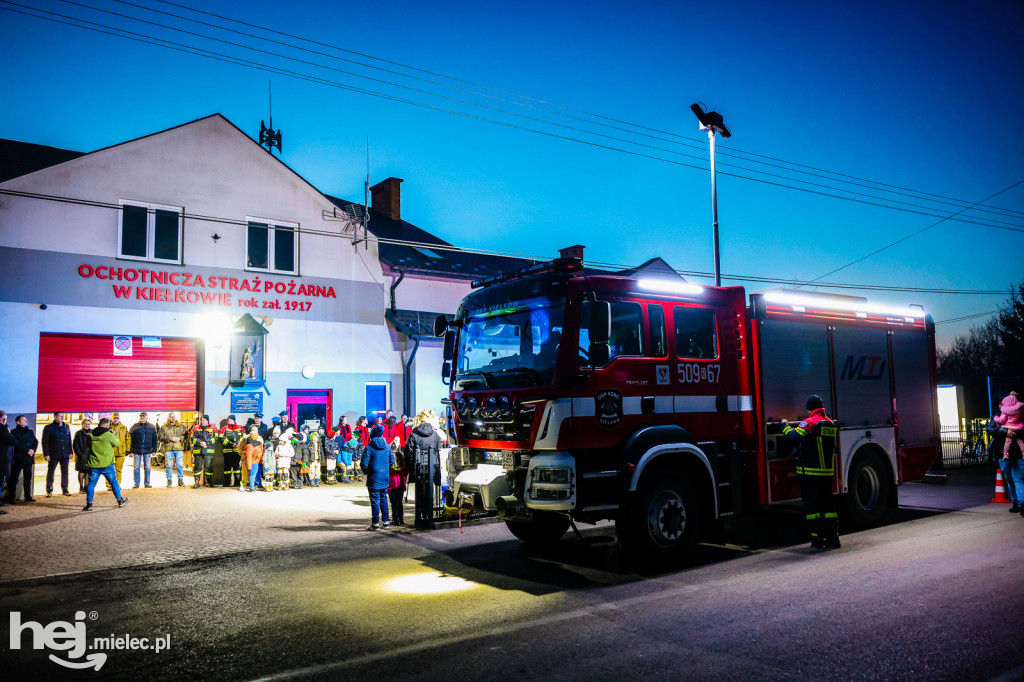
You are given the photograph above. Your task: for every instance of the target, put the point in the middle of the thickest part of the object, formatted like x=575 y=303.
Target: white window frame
x=151 y=210
x=272 y=226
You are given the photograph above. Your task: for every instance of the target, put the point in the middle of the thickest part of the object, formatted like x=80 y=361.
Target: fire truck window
x=627 y=330
x=656 y=318
x=695 y=333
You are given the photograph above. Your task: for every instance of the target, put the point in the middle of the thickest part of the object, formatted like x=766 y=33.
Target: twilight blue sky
x=920 y=95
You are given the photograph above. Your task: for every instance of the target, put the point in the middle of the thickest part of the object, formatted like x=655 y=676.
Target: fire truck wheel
x=544 y=529
x=869 y=490
x=661 y=519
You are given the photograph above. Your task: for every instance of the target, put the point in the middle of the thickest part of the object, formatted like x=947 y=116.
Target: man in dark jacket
x=376 y=463
x=143 y=440
x=57 y=452
x=6 y=441
x=424 y=461
x=24 y=459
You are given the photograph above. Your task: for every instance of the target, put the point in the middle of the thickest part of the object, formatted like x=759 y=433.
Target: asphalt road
x=935 y=594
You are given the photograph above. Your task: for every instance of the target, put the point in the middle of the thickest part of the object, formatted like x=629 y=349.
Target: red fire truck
x=658 y=403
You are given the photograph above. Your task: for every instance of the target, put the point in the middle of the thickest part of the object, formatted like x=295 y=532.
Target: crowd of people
x=257 y=456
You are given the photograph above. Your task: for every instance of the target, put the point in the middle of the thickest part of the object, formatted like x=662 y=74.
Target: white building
x=124 y=270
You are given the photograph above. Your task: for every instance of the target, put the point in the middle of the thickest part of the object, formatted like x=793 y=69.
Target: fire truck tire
x=661 y=519
x=868 y=495
x=544 y=529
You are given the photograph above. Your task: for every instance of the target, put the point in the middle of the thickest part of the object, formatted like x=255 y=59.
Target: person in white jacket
x=285 y=451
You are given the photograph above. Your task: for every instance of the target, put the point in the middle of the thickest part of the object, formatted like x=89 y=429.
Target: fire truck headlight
x=471 y=406
x=460 y=406
x=506 y=406
x=551 y=475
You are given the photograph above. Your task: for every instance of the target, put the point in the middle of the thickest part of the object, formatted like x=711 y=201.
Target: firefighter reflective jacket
x=817 y=436
x=207 y=434
x=232 y=436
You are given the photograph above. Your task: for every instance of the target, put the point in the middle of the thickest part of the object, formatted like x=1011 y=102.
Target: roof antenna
x=269 y=137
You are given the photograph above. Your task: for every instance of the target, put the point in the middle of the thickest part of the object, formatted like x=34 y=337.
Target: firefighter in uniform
x=204 y=443
x=816 y=436
x=232 y=435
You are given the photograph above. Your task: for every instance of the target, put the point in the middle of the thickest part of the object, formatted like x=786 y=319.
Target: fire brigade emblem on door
x=609 y=408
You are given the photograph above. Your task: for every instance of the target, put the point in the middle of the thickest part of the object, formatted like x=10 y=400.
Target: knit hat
x=377 y=432
x=815 y=402
x=206 y=417
x=231 y=417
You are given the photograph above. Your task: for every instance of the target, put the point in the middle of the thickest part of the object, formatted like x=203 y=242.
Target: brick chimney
x=386 y=198
x=572 y=252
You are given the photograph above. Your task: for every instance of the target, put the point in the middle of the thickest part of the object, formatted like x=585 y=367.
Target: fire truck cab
x=658 y=403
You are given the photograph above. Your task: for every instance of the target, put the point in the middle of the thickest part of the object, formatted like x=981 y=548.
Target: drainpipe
x=391 y=315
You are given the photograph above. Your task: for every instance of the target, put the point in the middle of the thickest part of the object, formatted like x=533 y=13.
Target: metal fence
x=965 y=445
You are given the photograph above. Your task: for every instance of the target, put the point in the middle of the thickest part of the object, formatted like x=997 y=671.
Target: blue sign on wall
x=246 y=402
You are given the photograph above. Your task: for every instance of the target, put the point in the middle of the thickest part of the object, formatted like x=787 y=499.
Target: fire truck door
x=795 y=365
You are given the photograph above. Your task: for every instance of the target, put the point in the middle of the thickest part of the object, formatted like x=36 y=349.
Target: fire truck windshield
x=513 y=346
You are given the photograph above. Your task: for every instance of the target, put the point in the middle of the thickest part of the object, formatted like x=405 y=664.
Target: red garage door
x=81 y=373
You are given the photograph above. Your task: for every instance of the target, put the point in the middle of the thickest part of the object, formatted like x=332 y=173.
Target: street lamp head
x=710 y=120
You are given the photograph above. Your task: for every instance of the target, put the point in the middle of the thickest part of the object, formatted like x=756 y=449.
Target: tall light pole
x=712 y=122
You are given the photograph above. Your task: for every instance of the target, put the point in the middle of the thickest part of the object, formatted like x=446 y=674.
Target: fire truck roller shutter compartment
x=82 y=373
x=915 y=402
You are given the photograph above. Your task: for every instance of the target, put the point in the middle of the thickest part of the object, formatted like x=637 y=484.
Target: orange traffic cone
x=1001 y=495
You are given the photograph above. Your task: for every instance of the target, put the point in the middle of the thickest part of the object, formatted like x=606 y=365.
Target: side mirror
x=446 y=373
x=440 y=325
x=449 y=345
x=599 y=354
x=600 y=327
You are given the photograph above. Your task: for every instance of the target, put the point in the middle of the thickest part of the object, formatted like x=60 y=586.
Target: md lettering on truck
x=865 y=367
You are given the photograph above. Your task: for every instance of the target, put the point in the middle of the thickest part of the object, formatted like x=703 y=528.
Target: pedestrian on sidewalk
x=57 y=452
x=396 y=487
x=171 y=437
x=143 y=444
x=269 y=467
x=83 y=450
x=997 y=436
x=124 y=446
x=253 y=455
x=376 y=463
x=6 y=441
x=102 y=444
x=285 y=451
x=23 y=459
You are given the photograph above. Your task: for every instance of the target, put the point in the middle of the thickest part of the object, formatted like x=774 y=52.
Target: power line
x=912 y=234
x=692 y=142
x=470 y=103
x=189 y=49
x=505 y=254
x=968 y=317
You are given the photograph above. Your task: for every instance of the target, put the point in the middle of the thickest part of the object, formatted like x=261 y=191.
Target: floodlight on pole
x=712 y=122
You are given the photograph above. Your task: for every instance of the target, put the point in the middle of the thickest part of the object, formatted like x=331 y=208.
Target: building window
x=149 y=232
x=271 y=246
x=695 y=333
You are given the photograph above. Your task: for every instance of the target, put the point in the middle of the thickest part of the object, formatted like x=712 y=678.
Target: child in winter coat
x=396 y=487
x=1012 y=418
x=270 y=459
x=284 y=452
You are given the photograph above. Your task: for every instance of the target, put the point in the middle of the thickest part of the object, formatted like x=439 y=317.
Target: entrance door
x=313 y=405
